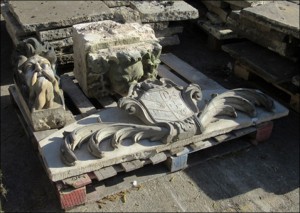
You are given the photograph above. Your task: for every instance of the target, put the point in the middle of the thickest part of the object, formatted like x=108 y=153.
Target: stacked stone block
x=52 y=21
x=271 y=24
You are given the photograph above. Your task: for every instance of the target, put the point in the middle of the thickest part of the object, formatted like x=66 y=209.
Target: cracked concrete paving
x=259 y=178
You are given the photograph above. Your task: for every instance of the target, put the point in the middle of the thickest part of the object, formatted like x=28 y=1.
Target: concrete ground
x=259 y=178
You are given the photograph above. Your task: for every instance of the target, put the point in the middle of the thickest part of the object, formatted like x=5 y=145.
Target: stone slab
x=221 y=12
x=44 y=15
x=156 y=11
x=246 y=3
x=63 y=59
x=13 y=27
x=11 y=22
x=158 y=25
x=117 y=3
x=61 y=43
x=214 y=18
x=279 y=15
x=126 y=15
x=294 y=1
x=56 y=170
x=55 y=34
x=266 y=37
x=216 y=3
x=168 y=31
x=271 y=66
x=169 y=40
x=218 y=31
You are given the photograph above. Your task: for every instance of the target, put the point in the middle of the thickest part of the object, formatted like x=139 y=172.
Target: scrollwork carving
x=169 y=113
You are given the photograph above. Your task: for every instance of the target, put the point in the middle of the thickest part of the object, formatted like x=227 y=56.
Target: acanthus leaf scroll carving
x=168 y=112
x=176 y=120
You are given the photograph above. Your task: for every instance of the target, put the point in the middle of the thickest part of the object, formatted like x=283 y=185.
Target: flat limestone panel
x=11 y=23
x=91 y=37
x=168 y=31
x=156 y=11
x=125 y=14
x=222 y=13
x=44 y=15
x=55 y=34
x=158 y=25
x=267 y=37
x=279 y=15
x=13 y=27
x=271 y=66
x=217 y=31
x=117 y=3
x=169 y=40
x=59 y=44
x=245 y=3
x=63 y=59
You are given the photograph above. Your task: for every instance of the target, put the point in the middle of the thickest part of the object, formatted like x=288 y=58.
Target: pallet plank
x=80 y=100
x=105 y=173
x=158 y=158
x=132 y=165
x=107 y=101
x=164 y=72
x=78 y=181
x=188 y=72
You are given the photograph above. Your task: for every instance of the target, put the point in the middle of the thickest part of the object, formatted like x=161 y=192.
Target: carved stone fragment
x=109 y=56
x=226 y=104
x=38 y=84
x=169 y=113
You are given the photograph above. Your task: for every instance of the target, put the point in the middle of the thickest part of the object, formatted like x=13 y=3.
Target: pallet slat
x=188 y=72
x=74 y=92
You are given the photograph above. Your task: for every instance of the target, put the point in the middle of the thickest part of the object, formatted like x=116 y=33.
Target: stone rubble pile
x=52 y=21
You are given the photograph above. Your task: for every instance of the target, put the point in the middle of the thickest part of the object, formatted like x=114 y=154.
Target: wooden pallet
x=91 y=185
x=266 y=70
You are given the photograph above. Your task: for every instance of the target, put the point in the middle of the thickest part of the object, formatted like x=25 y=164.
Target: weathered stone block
x=279 y=15
x=216 y=3
x=60 y=44
x=13 y=27
x=55 y=34
x=117 y=3
x=222 y=13
x=126 y=15
x=158 y=25
x=63 y=59
x=168 y=31
x=246 y=3
x=155 y=11
x=267 y=37
x=44 y=15
x=109 y=56
x=169 y=40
